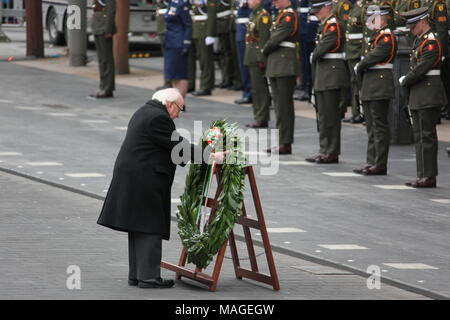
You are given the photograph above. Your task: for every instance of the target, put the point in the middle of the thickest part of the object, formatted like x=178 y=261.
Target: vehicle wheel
x=56 y=37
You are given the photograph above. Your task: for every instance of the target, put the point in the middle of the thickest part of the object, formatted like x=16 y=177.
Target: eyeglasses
x=181 y=109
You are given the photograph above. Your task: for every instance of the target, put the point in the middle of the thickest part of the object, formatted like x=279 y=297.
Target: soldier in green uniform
x=341 y=10
x=258 y=32
x=161 y=10
x=446 y=68
x=218 y=30
x=377 y=89
x=104 y=28
x=426 y=95
x=353 y=51
x=329 y=77
x=402 y=6
x=282 y=68
x=205 y=54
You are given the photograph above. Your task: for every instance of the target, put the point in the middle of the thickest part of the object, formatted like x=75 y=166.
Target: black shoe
x=348 y=120
x=448 y=151
x=200 y=93
x=258 y=125
x=224 y=85
x=357 y=119
x=133 y=282
x=245 y=100
x=156 y=283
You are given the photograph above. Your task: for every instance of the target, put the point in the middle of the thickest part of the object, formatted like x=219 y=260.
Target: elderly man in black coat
x=138 y=199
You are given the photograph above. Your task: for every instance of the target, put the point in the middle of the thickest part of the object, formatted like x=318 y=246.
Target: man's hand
x=402 y=78
x=210 y=40
x=218 y=157
x=108 y=35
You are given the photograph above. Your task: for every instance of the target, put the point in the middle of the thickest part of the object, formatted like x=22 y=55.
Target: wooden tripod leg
x=249 y=243
x=264 y=234
x=234 y=254
x=218 y=266
x=182 y=262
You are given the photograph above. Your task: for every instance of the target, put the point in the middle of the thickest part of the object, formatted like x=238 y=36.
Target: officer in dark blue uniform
x=177 y=43
x=308 y=24
x=243 y=12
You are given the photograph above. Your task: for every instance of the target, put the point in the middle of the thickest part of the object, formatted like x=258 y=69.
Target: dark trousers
x=144 y=253
x=283 y=101
x=261 y=94
x=205 y=56
x=226 y=57
x=445 y=76
x=426 y=140
x=106 y=66
x=329 y=121
x=162 y=40
x=306 y=49
x=354 y=87
x=377 y=126
x=245 y=73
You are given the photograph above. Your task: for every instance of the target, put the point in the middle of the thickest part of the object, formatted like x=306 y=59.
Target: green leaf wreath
x=201 y=247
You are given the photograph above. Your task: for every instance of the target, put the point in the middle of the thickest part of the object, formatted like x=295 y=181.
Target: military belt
x=334 y=56
x=162 y=11
x=382 y=66
x=303 y=10
x=242 y=20
x=355 y=36
x=200 y=18
x=287 y=44
x=224 y=14
x=235 y=12
x=402 y=29
x=433 y=73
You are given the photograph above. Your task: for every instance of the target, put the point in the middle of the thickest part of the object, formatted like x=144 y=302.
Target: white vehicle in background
x=142 y=18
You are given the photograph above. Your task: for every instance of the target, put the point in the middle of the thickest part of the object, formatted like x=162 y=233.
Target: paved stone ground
x=396 y=226
x=45 y=229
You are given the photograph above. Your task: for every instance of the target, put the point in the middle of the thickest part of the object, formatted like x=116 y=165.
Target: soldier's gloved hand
x=401 y=80
x=356 y=67
x=311 y=58
x=210 y=41
x=185 y=51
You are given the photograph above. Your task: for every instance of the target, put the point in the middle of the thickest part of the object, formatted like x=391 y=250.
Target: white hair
x=167 y=95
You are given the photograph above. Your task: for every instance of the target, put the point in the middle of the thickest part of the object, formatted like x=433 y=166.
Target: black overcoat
x=139 y=196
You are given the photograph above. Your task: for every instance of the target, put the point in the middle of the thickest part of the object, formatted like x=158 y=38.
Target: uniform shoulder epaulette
x=387 y=30
x=430 y=36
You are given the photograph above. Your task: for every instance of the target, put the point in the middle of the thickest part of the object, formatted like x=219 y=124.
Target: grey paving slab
x=397 y=226
x=45 y=230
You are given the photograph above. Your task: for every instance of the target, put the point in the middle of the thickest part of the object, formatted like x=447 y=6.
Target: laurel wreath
x=201 y=247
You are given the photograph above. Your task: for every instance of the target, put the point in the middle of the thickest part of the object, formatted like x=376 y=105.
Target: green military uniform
x=103 y=22
x=218 y=25
x=341 y=10
x=403 y=6
x=204 y=53
x=236 y=75
x=330 y=77
x=282 y=69
x=258 y=32
x=353 y=50
x=161 y=9
x=377 y=89
x=426 y=97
